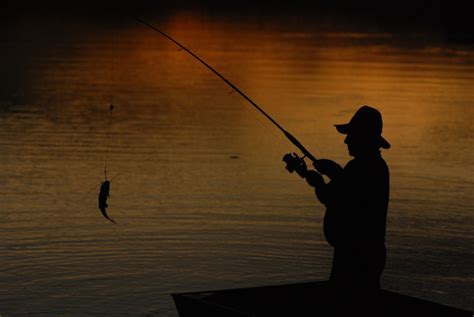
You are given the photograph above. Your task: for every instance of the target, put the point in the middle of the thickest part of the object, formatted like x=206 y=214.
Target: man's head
x=364 y=132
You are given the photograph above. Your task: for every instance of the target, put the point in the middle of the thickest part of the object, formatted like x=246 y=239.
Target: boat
x=303 y=299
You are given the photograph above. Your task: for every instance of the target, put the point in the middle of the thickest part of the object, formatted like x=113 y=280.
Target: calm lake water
x=203 y=200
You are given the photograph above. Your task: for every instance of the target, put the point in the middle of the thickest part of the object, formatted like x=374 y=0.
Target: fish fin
x=104 y=213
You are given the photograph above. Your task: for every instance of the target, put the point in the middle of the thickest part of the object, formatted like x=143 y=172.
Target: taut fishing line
x=111 y=108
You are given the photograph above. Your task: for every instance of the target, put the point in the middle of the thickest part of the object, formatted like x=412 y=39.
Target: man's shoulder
x=380 y=162
x=350 y=164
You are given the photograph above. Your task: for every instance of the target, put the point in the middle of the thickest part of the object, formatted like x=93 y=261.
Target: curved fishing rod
x=286 y=133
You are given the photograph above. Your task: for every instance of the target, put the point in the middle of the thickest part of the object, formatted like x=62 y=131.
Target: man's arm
x=329 y=168
x=326 y=193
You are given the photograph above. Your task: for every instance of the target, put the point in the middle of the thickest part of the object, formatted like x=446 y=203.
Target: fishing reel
x=294 y=163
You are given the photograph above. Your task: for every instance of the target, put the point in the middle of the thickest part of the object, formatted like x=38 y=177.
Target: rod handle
x=299 y=146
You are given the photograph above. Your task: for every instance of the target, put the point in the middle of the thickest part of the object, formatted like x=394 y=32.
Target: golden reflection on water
x=192 y=216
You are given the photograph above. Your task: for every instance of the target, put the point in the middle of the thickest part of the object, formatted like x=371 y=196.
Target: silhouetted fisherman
x=356 y=200
x=103 y=195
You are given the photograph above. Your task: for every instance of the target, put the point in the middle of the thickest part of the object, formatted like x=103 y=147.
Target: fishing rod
x=285 y=132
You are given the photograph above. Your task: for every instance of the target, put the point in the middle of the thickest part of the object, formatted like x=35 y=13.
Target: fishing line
x=111 y=108
x=107 y=142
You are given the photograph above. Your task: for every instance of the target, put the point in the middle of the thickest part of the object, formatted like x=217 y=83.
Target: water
x=203 y=200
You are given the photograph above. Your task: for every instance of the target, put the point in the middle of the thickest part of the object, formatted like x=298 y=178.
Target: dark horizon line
x=429 y=16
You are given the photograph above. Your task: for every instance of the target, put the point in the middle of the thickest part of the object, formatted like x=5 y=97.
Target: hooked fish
x=103 y=195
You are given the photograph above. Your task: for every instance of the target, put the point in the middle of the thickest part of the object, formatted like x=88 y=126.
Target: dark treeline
x=451 y=19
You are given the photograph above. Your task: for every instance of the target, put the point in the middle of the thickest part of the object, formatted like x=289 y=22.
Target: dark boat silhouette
x=303 y=299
